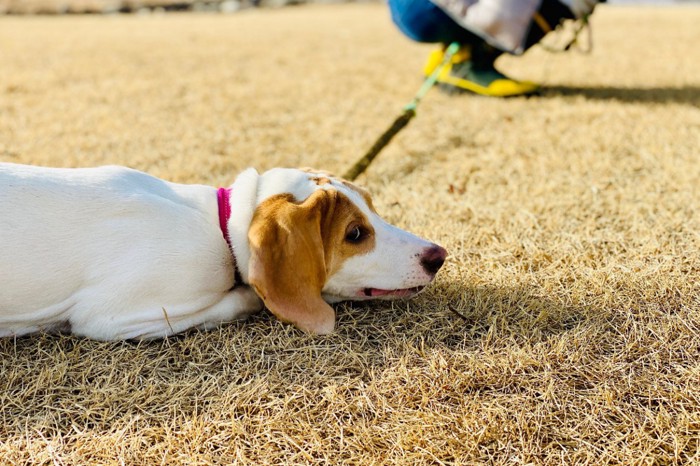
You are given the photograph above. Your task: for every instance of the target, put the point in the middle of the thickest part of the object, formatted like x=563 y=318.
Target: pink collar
x=223 y=197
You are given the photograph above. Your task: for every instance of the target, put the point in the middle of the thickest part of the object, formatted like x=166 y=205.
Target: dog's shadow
x=454 y=317
x=446 y=316
x=203 y=368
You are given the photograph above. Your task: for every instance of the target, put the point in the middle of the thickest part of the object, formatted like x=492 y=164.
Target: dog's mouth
x=399 y=293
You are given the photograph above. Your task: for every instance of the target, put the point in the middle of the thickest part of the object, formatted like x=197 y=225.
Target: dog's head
x=314 y=239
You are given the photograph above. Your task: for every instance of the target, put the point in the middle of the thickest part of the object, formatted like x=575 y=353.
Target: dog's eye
x=354 y=235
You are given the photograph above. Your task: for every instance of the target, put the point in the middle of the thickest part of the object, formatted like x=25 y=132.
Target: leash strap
x=409 y=111
x=432 y=79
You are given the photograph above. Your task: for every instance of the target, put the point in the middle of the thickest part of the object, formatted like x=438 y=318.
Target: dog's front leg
x=236 y=304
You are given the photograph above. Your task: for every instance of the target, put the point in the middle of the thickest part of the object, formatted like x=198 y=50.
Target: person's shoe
x=463 y=74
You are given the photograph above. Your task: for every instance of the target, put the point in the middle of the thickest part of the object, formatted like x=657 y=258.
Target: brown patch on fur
x=295 y=248
x=315 y=171
x=320 y=177
x=326 y=177
x=362 y=192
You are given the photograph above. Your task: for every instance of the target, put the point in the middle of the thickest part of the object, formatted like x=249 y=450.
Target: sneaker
x=464 y=75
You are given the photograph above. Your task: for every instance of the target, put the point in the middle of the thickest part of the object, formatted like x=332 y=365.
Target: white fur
x=115 y=253
x=393 y=264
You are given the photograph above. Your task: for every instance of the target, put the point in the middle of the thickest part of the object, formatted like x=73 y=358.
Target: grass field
x=571 y=220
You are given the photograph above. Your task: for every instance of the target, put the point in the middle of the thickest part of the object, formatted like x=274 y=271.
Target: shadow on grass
x=57 y=381
x=447 y=316
x=453 y=317
x=661 y=95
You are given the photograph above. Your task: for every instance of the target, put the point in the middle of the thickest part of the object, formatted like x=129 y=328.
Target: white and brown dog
x=113 y=253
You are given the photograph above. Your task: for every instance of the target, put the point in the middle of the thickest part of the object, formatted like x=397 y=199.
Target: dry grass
x=571 y=220
x=100 y=6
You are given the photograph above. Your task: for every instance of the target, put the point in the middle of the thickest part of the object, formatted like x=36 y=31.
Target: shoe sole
x=464 y=86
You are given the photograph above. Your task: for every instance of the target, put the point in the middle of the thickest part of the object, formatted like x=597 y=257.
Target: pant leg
x=422 y=21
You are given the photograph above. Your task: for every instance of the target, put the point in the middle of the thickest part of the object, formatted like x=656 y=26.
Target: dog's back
x=69 y=235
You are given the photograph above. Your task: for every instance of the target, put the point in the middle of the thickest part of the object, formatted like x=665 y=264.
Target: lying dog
x=113 y=253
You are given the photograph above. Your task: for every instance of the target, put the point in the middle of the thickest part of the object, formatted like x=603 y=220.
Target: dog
x=112 y=253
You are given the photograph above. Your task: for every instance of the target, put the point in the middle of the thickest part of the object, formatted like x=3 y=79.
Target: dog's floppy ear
x=288 y=264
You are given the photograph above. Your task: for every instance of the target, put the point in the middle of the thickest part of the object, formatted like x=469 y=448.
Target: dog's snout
x=433 y=258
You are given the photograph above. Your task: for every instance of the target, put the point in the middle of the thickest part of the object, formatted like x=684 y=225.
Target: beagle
x=113 y=253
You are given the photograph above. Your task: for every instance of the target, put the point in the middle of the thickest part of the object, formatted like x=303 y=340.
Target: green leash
x=409 y=111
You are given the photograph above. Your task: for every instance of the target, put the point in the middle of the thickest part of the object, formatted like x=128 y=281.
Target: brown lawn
x=571 y=219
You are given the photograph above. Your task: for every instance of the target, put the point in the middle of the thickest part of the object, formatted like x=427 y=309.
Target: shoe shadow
x=681 y=95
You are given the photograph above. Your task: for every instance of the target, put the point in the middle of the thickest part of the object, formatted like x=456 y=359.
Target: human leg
x=423 y=21
x=473 y=68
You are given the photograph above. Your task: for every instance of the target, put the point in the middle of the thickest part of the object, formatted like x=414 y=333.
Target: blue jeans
x=422 y=21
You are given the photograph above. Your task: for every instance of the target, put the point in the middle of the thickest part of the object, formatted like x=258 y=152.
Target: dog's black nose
x=433 y=258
